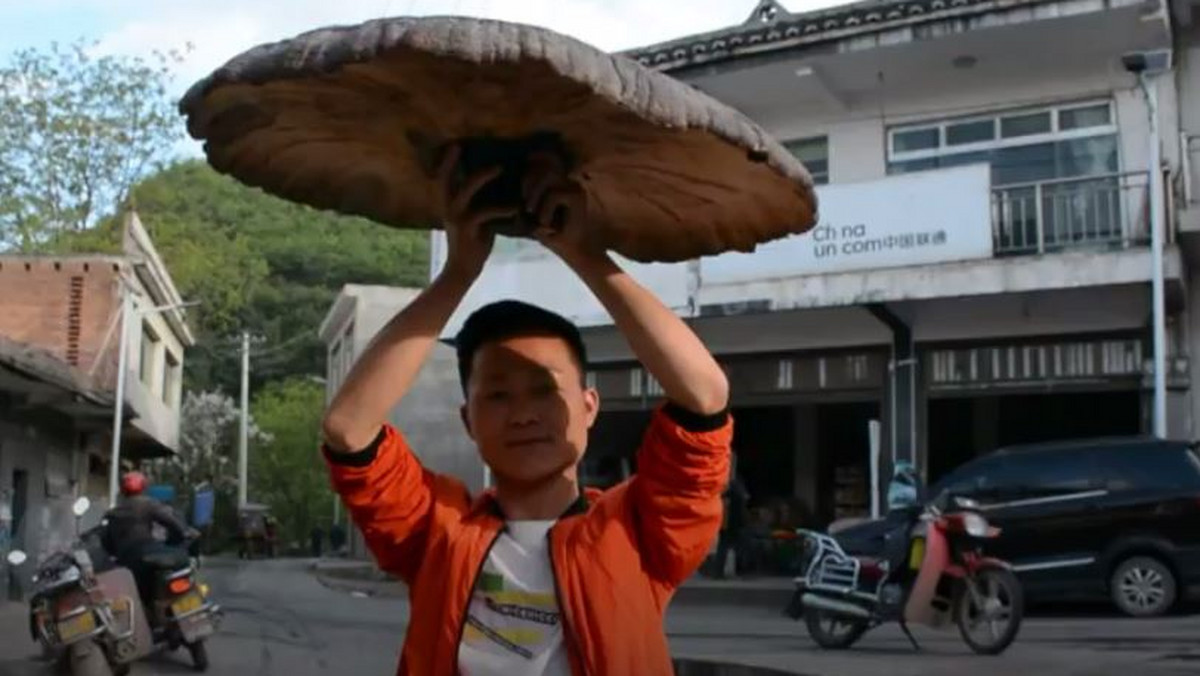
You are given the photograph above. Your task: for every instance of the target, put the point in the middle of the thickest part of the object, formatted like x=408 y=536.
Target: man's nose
x=523 y=412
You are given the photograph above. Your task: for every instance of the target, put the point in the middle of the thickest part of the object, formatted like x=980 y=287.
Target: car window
x=1006 y=481
x=1062 y=473
x=967 y=479
x=1148 y=468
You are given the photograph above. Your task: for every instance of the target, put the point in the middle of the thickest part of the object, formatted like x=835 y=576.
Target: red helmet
x=133 y=483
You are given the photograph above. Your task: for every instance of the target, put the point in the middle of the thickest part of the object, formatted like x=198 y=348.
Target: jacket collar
x=486 y=503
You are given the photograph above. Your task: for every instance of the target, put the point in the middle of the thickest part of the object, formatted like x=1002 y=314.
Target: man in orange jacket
x=534 y=577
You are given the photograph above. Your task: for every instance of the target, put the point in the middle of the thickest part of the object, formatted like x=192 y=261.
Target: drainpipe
x=1159 y=319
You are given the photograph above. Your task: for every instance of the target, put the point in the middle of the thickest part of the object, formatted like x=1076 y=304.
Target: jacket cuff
x=360 y=458
x=695 y=422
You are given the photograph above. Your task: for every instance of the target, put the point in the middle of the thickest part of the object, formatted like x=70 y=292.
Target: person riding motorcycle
x=129 y=534
x=904 y=503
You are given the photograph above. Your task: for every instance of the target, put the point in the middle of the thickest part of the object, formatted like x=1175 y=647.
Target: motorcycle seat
x=167 y=560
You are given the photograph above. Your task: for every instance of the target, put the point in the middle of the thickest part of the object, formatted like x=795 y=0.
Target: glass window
x=1081 y=118
x=1025 y=125
x=334 y=367
x=966 y=480
x=149 y=350
x=1131 y=468
x=963 y=133
x=916 y=139
x=1007 y=480
x=1055 y=474
x=813 y=153
x=170 y=379
x=1086 y=156
x=1023 y=164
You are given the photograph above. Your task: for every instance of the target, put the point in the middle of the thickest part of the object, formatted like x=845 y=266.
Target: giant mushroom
x=354 y=118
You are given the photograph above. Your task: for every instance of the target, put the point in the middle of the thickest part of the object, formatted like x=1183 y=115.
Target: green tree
x=256 y=263
x=285 y=472
x=76 y=132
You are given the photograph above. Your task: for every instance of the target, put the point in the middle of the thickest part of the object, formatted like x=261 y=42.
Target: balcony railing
x=1107 y=211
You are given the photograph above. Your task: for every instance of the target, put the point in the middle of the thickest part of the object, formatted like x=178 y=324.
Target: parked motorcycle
x=86 y=611
x=939 y=576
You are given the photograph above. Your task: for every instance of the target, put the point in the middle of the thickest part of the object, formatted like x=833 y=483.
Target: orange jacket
x=617 y=555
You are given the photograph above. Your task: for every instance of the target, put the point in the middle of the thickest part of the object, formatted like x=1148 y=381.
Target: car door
x=1048 y=509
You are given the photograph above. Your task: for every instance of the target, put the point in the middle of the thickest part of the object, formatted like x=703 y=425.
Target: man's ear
x=466 y=420
x=591 y=405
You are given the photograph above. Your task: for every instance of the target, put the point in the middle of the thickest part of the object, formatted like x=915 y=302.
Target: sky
x=220 y=29
x=214 y=31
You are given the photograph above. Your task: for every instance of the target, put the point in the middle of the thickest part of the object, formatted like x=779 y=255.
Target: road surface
x=281 y=622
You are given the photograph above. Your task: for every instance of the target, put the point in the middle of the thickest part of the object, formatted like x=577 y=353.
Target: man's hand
x=560 y=207
x=666 y=346
x=468 y=239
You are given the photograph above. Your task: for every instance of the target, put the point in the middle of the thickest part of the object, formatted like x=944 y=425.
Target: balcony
x=1111 y=211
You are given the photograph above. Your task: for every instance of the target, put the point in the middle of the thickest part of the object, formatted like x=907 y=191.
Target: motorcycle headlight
x=975 y=525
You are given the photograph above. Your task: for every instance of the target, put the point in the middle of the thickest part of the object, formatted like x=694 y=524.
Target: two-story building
x=69 y=310
x=429 y=415
x=981 y=271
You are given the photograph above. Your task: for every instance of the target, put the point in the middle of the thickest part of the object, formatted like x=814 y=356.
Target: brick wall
x=65 y=306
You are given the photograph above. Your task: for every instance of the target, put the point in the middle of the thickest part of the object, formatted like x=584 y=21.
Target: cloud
x=221 y=29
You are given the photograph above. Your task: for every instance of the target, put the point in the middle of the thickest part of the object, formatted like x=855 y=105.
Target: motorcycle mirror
x=81 y=506
x=16 y=557
x=966 y=503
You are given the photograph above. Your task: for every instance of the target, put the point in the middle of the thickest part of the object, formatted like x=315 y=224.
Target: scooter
x=87 y=613
x=940 y=576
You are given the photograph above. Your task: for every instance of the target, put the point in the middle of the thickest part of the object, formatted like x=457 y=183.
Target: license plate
x=80 y=625
x=916 y=554
x=195 y=628
x=187 y=604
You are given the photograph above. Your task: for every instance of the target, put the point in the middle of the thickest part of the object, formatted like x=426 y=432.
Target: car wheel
x=1143 y=586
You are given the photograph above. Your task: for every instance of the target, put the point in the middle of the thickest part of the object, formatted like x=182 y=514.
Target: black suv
x=1115 y=518
x=1110 y=517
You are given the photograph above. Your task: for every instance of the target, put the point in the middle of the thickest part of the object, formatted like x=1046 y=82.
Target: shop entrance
x=964 y=427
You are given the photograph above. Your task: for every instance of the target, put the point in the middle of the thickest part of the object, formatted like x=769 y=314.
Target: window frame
x=821 y=177
x=1055 y=133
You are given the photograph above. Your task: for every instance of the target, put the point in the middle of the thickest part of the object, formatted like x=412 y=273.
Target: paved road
x=281 y=622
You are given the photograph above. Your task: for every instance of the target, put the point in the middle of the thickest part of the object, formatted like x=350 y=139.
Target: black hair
x=506 y=319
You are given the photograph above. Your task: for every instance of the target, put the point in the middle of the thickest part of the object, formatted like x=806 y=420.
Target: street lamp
x=128 y=312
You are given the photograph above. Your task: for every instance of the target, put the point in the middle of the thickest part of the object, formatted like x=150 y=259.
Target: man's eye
x=495 y=395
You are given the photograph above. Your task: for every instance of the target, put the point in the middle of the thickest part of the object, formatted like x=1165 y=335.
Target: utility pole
x=244 y=431
x=114 y=474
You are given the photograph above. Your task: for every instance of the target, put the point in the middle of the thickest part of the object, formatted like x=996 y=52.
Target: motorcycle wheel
x=199 y=655
x=998 y=611
x=87 y=659
x=833 y=632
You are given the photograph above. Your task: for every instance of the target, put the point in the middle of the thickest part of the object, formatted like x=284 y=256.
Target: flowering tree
x=207 y=449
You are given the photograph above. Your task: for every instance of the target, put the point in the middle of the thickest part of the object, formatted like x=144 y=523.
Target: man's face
x=527 y=408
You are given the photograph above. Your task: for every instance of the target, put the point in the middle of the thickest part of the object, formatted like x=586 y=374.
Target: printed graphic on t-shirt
x=516 y=621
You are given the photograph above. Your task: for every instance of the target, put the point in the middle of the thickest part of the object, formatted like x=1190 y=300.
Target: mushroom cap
x=354 y=118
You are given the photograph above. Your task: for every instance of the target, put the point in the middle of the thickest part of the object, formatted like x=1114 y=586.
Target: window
x=635 y=382
x=334 y=366
x=916 y=139
x=1059 y=474
x=1132 y=468
x=149 y=353
x=1081 y=118
x=1021 y=147
x=170 y=384
x=1014 y=126
x=813 y=153
x=347 y=353
x=964 y=133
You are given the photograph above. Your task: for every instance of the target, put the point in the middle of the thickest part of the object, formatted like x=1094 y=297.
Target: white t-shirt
x=513 y=626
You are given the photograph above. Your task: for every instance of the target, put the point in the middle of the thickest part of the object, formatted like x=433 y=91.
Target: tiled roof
x=772 y=27
x=35 y=363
